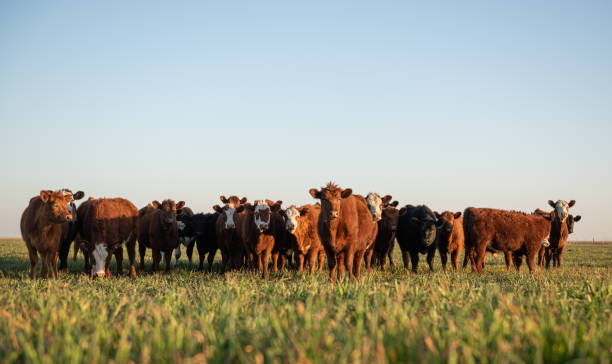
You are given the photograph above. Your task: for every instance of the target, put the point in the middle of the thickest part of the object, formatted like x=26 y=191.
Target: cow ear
x=45 y=195
x=386 y=199
x=303 y=211
x=156 y=204
x=402 y=211
x=242 y=207
x=270 y=202
x=276 y=207
x=223 y=199
x=572 y=203
x=243 y=200
x=457 y=214
x=79 y=195
x=551 y=203
x=315 y=193
x=218 y=208
x=437 y=214
x=346 y=193
x=577 y=218
x=180 y=205
x=394 y=203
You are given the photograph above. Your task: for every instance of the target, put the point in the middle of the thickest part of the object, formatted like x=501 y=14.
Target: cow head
x=262 y=210
x=571 y=219
x=292 y=216
x=561 y=208
x=446 y=221
x=184 y=224
x=168 y=211
x=230 y=207
x=101 y=259
x=426 y=227
x=56 y=205
x=331 y=197
x=76 y=196
x=376 y=204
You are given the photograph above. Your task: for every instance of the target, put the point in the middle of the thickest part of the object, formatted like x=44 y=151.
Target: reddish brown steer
x=228 y=239
x=41 y=229
x=301 y=224
x=158 y=231
x=450 y=237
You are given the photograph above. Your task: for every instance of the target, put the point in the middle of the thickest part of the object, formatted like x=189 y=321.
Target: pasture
x=396 y=316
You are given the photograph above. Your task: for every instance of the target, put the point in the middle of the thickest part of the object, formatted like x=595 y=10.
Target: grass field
x=188 y=316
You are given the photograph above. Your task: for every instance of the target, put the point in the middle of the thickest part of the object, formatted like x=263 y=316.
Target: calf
x=376 y=205
x=69 y=231
x=571 y=219
x=387 y=228
x=513 y=233
x=185 y=236
x=104 y=225
x=158 y=231
x=301 y=225
x=450 y=237
x=41 y=229
x=346 y=229
x=261 y=229
x=416 y=234
x=228 y=239
x=559 y=231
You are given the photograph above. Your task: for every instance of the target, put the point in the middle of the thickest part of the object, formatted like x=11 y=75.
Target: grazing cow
x=559 y=231
x=228 y=239
x=262 y=228
x=450 y=237
x=69 y=231
x=416 y=233
x=185 y=237
x=301 y=224
x=41 y=229
x=346 y=229
x=104 y=225
x=513 y=233
x=158 y=231
x=387 y=228
x=201 y=228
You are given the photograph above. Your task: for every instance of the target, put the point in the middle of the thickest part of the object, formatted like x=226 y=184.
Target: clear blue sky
x=453 y=104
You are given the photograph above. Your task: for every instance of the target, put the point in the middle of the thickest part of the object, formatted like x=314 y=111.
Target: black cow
x=69 y=232
x=200 y=230
x=184 y=237
x=571 y=219
x=385 y=238
x=416 y=233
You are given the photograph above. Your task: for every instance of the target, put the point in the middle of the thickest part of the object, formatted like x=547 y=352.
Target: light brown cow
x=104 y=226
x=346 y=229
x=228 y=239
x=261 y=228
x=301 y=224
x=450 y=237
x=41 y=229
x=158 y=231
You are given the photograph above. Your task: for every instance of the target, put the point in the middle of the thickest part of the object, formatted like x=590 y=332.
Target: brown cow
x=450 y=237
x=301 y=224
x=559 y=232
x=228 y=239
x=158 y=231
x=346 y=229
x=261 y=229
x=104 y=225
x=514 y=233
x=41 y=229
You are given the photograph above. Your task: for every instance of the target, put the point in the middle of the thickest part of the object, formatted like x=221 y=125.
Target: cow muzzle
x=263 y=227
x=333 y=215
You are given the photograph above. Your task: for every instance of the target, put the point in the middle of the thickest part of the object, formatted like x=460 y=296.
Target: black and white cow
x=70 y=232
x=571 y=219
x=201 y=229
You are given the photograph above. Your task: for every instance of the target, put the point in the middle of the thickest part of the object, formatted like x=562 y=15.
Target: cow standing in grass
x=69 y=231
x=41 y=228
x=416 y=234
x=301 y=223
x=228 y=238
x=450 y=237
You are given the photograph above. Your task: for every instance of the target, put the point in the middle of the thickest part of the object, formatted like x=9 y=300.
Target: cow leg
x=559 y=256
x=54 y=271
x=331 y=264
x=300 y=262
x=443 y=258
x=405 y=259
x=341 y=264
x=312 y=261
x=33 y=261
x=142 y=250
x=430 y=257
x=548 y=256
x=531 y=259
x=119 y=260
x=390 y=253
x=518 y=261
x=541 y=257
x=76 y=251
x=131 y=250
x=211 y=259
x=508 y=259
x=266 y=259
x=414 y=259
x=357 y=263
x=156 y=260
x=190 y=251
x=455 y=259
x=349 y=259
x=167 y=259
x=481 y=252
x=63 y=254
x=368 y=258
x=177 y=254
x=275 y=262
x=44 y=269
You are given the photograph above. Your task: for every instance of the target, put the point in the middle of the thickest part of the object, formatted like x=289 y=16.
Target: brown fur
x=514 y=233
x=158 y=231
x=345 y=228
x=228 y=240
x=558 y=241
x=453 y=242
x=41 y=229
x=305 y=239
x=385 y=237
x=111 y=222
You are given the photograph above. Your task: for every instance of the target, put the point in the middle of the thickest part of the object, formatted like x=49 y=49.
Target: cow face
x=446 y=221
x=101 y=260
x=426 y=228
x=56 y=204
x=231 y=204
x=185 y=226
x=376 y=204
x=331 y=198
x=262 y=212
x=571 y=219
x=561 y=208
x=292 y=216
x=168 y=211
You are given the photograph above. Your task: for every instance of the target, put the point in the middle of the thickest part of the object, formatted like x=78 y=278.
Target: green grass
x=188 y=316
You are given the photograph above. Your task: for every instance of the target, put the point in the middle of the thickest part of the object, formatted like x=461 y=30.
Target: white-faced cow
x=228 y=239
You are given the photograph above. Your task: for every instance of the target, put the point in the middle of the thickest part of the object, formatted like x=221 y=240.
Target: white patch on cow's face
x=260 y=208
x=375 y=205
x=100 y=254
x=293 y=215
x=561 y=209
x=229 y=216
x=180 y=225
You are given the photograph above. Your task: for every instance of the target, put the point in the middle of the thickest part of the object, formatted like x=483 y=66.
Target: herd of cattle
x=344 y=227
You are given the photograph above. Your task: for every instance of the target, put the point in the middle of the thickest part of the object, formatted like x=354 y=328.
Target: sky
x=450 y=104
